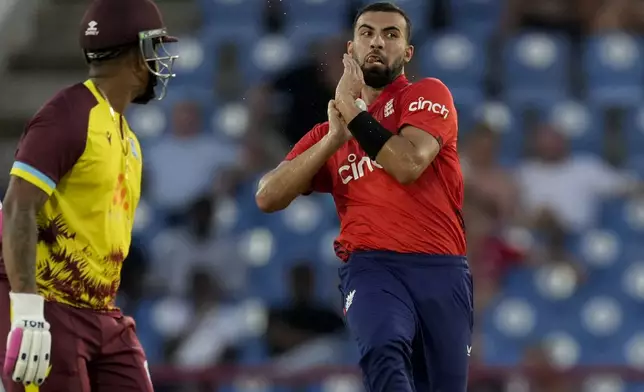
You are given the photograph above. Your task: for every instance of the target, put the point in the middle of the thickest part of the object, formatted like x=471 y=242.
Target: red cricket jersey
x=376 y=211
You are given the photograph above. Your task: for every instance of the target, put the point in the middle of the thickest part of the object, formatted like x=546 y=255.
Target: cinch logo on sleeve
x=422 y=104
x=355 y=169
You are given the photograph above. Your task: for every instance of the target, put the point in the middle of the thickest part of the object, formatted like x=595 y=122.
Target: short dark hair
x=385 y=6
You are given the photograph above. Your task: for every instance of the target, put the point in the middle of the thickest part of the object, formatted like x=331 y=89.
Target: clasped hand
x=348 y=90
x=352 y=80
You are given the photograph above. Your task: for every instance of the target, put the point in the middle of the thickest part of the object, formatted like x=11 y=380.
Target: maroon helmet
x=111 y=26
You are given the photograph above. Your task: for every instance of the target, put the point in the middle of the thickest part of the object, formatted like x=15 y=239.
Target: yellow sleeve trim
x=33 y=176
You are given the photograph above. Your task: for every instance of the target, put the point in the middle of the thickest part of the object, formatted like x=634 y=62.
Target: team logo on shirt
x=135 y=153
x=423 y=104
x=389 y=108
x=355 y=169
x=349 y=301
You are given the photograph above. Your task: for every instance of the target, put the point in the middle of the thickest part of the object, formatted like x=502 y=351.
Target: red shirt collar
x=391 y=89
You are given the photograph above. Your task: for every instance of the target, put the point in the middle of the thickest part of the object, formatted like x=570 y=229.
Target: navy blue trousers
x=412 y=317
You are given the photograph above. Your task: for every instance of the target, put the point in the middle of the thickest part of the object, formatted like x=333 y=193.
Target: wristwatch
x=362 y=105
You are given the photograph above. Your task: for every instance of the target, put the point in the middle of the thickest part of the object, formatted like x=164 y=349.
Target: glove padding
x=29 y=341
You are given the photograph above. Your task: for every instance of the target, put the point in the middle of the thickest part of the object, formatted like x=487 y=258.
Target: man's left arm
x=427 y=121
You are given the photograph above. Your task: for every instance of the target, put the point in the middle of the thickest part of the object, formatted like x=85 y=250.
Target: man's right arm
x=294 y=177
x=48 y=149
x=20 y=233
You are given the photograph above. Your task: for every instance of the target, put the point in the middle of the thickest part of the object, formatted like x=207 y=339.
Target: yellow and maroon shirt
x=85 y=157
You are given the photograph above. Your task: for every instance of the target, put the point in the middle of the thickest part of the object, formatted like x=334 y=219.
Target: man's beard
x=149 y=94
x=380 y=77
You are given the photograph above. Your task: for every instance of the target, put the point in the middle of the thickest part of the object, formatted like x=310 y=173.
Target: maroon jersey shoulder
x=56 y=136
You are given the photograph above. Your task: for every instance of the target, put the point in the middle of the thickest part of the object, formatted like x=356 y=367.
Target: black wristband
x=369 y=133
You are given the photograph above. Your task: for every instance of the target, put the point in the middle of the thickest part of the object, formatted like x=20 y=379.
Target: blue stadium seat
x=153 y=120
x=634 y=131
x=613 y=216
x=332 y=15
x=597 y=326
x=419 y=11
x=633 y=252
x=466 y=118
x=255 y=55
x=499 y=350
x=249 y=214
x=504 y=119
x=149 y=222
x=519 y=281
x=582 y=125
x=299 y=226
x=507 y=326
x=271 y=55
x=149 y=122
x=201 y=95
x=253 y=352
x=235 y=16
x=200 y=58
x=614 y=66
x=195 y=65
x=536 y=68
x=601 y=250
x=632 y=341
x=299 y=233
x=635 y=163
x=326 y=283
x=477 y=18
x=305 y=38
x=455 y=59
x=268 y=282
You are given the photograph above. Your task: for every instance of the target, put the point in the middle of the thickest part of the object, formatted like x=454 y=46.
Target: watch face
x=361 y=104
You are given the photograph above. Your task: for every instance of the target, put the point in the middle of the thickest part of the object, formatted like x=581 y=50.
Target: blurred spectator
x=202 y=328
x=183 y=165
x=545 y=376
x=197 y=243
x=575 y=16
x=489 y=384
x=556 y=185
x=556 y=249
x=256 y=159
x=569 y=16
x=303 y=92
x=489 y=255
x=627 y=15
x=483 y=174
x=136 y=299
x=302 y=321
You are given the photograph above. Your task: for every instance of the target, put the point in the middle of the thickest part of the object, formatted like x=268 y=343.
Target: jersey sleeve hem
x=33 y=176
x=432 y=132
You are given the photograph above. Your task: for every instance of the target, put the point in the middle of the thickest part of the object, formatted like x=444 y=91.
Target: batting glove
x=29 y=342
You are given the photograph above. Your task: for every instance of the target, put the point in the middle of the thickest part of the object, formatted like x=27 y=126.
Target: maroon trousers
x=91 y=352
